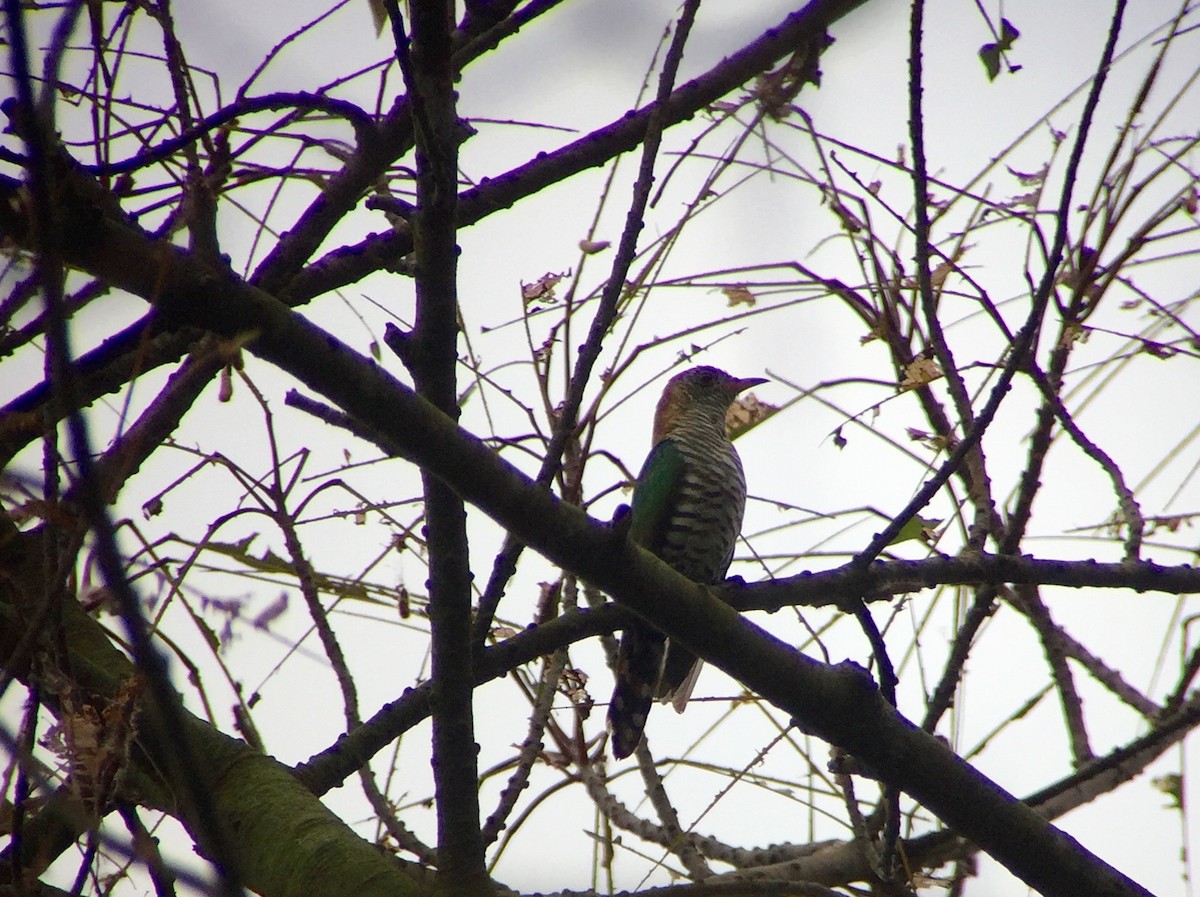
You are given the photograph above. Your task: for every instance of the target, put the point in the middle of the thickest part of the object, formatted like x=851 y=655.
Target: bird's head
x=699 y=395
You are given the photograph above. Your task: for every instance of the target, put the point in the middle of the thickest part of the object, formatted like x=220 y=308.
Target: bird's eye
x=706 y=377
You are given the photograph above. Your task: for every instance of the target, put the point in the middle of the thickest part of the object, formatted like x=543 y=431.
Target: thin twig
x=1026 y=336
x=677 y=841
x=1064 y=679
x=1131 y=514
x=942 y=696
x=978 y=483
x=530 y=749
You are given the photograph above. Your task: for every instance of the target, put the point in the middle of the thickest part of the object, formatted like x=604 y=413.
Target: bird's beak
x=745 y=383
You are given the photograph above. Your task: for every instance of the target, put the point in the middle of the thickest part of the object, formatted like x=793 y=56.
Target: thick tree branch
x=427 y=66
x=833 y=587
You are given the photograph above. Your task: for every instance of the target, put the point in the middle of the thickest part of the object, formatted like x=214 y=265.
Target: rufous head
x=705 y=391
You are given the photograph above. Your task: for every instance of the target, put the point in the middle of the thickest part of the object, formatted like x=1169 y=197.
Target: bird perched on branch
x=687 y=509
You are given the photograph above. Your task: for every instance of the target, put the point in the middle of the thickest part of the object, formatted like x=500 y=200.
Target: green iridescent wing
x=655 y=494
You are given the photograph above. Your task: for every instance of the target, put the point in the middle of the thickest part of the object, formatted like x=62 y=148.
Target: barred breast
x=703 y=529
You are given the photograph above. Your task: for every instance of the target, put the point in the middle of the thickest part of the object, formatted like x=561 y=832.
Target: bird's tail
x=639 y=667
x=680 y=672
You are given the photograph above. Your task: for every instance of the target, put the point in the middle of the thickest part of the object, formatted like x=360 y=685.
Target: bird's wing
x=655 y=494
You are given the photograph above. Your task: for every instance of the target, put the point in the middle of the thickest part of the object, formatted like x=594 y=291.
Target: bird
x=687 y=509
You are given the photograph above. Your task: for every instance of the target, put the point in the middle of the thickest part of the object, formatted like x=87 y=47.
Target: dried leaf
x=1157 y=349
x=1074 y=333
x=573 y=684
x=739 y=295
x=271 y=612
x=379 y=15
x=747 y=413
x=1171 y=523
x=933 y=440
x=541 y=289
x=921 y=528
x=94 y=740
x=591 y=247
x=938 y=275
x=850 y=221
x=1029 y=200
x=920 y=372
x=1030 y=178
x=991 y=53
x=1171 y=785
x=573 y=679
x=876 y=332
